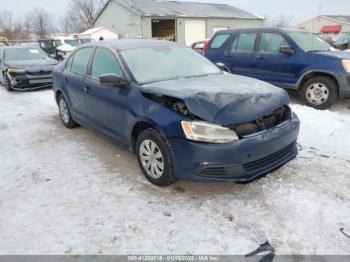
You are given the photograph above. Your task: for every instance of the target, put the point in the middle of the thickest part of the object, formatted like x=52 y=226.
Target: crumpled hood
x=223 y=99
x=33 y=65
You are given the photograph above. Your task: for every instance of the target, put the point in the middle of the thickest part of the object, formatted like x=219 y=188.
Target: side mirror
x=287 y=50
x=223 y=67
x=112 y=80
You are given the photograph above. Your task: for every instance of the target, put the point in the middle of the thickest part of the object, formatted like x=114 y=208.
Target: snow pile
x=74 y=192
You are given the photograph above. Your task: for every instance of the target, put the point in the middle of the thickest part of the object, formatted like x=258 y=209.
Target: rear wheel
x=319 y=92
x=153 y=155
x=65 y=114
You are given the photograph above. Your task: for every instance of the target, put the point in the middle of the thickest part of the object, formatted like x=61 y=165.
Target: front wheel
x=65 y=114
x=153 y=155
x=319 y=92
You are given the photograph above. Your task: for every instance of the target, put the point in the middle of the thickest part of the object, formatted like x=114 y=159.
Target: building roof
x=339 y=18
x=163 y=8
x=91 y=31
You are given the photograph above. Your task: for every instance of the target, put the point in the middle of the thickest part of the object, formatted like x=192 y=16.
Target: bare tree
x=81 y=15
x=279 y=21
x=39 y=22
x=6 y=23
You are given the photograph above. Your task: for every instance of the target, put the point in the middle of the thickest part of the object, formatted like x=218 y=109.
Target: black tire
x=330 y=88
x=7 y=83
x=67 y=120
x=167 y=177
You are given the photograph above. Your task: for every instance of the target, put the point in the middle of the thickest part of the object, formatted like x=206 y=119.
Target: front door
x=272 y=65
x=107 y=106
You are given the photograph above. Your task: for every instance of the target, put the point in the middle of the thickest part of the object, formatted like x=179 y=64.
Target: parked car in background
x=25 y=68
x=342 y=43
x=288 y=58
x=328 y=39
x=182 y=116
x=61 y=47
x=199 y=46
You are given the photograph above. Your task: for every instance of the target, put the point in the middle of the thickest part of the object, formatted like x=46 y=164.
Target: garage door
x=195 y=30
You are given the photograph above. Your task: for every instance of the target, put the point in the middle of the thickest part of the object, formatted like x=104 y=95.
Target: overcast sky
x=298 y=10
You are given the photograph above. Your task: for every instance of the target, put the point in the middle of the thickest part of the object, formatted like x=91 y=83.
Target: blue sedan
x=182 y=116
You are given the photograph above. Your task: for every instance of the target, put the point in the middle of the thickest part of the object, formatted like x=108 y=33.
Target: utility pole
x=319 y=10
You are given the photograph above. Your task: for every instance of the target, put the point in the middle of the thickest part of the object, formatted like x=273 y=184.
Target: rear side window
x=81 y=60
x=219 y=40
x=244 y=42
x=272 y=42
x=105 y=63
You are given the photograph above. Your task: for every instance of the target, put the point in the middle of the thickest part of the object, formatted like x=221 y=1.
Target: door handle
x=87 y=89
x=261 y=57
x=65 y=80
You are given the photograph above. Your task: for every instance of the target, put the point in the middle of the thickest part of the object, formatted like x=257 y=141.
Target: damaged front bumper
x=240 y=161
x=21 y=80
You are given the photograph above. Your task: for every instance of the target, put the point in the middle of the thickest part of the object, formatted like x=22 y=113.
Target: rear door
x=74 y=81
x=240 y=55
x=271 y=65
x=107 y=106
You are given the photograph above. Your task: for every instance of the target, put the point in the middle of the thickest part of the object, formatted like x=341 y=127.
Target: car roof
x=126 y=44
x=264 y=28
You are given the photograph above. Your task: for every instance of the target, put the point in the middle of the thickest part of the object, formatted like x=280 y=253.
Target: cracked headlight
x=16 y=71
x=209 y=133
x=346 y=65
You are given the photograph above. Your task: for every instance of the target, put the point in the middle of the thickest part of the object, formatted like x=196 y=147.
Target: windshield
x=14 y=54
x=156 y=64
x=309 y=42
x=73 y=42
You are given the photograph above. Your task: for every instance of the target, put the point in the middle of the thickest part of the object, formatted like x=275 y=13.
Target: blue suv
x=288 y=58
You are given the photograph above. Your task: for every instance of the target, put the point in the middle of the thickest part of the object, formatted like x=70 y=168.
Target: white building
x=184 y=22
x=97 y=33
x=327 y=25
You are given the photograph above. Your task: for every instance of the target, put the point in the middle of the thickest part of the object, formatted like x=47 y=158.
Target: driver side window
x=271 y=43
x=105 y=63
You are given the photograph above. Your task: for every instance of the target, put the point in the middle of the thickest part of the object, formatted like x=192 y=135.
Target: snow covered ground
x=74 y=192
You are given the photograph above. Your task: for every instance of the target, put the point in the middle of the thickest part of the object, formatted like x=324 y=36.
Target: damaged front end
x=24 y=79
x=172 y=103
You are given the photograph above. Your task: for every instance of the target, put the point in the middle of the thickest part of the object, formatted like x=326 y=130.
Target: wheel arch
x=136 y=131
x=57 y=94
x=140 y=126
x=316 y=73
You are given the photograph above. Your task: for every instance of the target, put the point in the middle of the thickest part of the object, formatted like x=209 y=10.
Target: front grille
x=39 y=73
x=269 y=160
x=279 y=116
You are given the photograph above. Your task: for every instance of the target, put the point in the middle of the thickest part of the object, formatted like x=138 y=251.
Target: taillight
x=206 y=46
